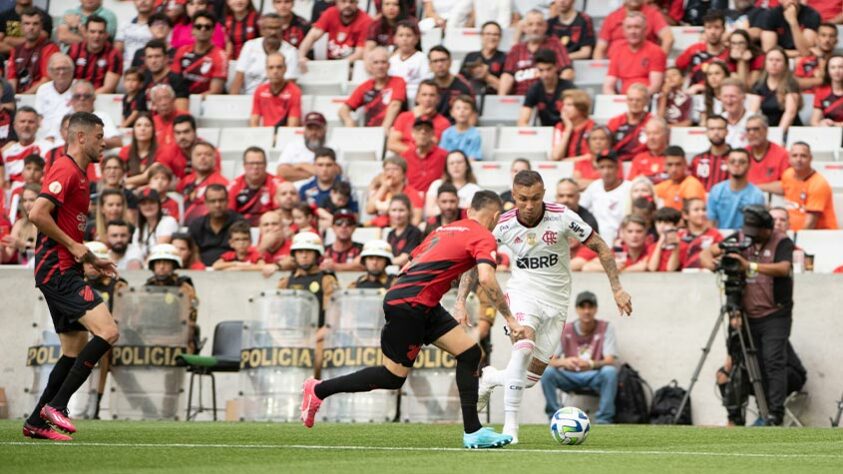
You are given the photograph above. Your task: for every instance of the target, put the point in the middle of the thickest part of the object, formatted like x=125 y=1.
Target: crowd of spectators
x=658 y=205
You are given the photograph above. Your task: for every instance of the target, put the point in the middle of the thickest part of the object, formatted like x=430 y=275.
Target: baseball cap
x=345 y=213
x=149 y=194
x=755 y=218
x=586 y=297
x=315 y=118
x=423 y=122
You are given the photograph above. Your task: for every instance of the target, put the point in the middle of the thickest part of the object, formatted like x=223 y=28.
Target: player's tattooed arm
x=607 y=259
x=467 y=282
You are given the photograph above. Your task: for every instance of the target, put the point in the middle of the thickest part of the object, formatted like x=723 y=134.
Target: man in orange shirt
x=808 y=195
x=650 y=163
x=636 y=61
x=680 y=185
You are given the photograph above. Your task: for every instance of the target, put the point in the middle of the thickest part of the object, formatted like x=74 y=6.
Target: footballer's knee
x=471 y=356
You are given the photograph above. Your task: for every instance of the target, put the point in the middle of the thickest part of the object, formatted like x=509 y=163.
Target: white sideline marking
x=432 y=449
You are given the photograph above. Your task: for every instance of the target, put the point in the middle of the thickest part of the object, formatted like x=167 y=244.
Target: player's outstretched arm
x=489 y=282
x=607 y=259
x=467 y=282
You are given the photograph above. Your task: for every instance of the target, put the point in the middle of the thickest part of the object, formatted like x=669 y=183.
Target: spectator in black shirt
x=404 y=236
x=211 y=231
x=160 y=26
x=574 y=29
x=792 y=26
x=483 y=68
x=745 y=16
x=158 y=72
x=450 y=86
x=545 y=95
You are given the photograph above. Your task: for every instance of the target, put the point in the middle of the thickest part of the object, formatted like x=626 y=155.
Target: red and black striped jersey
x=709 y=168
x=67 y=187
x=520 y=62
x=199 y=69
x=440 y=260
x=831 y=104
x=94 y=67
x=629 y=139
x=345 y=256
x=376 y=101
x=381 y=32
x=694 y=60
x=296 y=31
x=240 y=31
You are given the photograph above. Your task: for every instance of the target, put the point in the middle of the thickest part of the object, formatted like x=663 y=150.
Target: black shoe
x=774 y=420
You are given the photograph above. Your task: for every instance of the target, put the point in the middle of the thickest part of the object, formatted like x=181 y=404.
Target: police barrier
x=146 y=380
x=277 y=354
x=355 y=318
x=430 y=392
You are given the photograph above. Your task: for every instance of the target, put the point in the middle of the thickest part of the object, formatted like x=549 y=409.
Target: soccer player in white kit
x=539 y=288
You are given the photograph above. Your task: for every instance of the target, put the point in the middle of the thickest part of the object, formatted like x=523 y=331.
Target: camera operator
x=767 y=298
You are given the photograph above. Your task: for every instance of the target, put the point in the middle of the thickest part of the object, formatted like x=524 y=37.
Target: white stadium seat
x=111 y=105
x=684 y=36
x=489 y=138
x=357 y=143
x=500 y=109
x=824 y=245
x=608 y=106
x=776 y=135
x=492 y=174
x=239 y=138
x=692 y=139
x=807 y=109
x=528 y=142
x=552 y=172
x=590 y=71
x=229 y=168
x=25 y=99
x=431 y=38
x=824 y=141
x=285 y=135
x=833 y=173
x=601 y=8
x=361 y=173
x=461 y=41
x=329 y=106
x=359 y=74
x=195 y=105
x=225 y=111
x=210 y=135
x=325 y=77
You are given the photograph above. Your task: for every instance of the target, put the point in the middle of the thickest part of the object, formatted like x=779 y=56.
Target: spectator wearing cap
x=447 y=207
x=425 y=160
x=483 y=68
x=635 y=61
x=253 y=193
x=194 y=186
x=404 y=237
x=650 y=163
x=153 y=226
x=519 y=72
x=612 y=33
x=728 y=198
x=545 y=94
x=608 y=197
x=210 y=232
x=316 y=191
x=96 y=59
x=450 y=86
x=392 y=182
x=243 y=256
x=296 y=161
x=277 y=102
x=628 y=127
x=807 y=193
x=375 y=257
x=768 y=160
x=343 y=255
x=679 y=185
x=400 y=137
x=381 y=97
x=585 y=360
x=250 y=71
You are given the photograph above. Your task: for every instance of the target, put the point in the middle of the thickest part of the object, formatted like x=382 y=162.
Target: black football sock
x=88 y=358
x=365 y=380
x=54 y=382
x=468 y=377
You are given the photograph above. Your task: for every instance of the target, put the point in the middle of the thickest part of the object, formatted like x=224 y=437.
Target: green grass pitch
x=108 y=447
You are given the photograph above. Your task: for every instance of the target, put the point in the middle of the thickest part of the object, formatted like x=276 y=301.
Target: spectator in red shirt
x=188 y=251
x=665 y=255
x=710 y=166
x=193 y=186
x=650 y=163
x=768 y=161
x=27 y=65
x=243 y=256
x=184 y=131
x=294 y=28
x=628 y=127
x=277 y=102
x=810 y=71
x=519 y=71
x=828 y=99
x=144 y=151
x=274 y=243
x=698 y=234
x=381 y=97
x=382 y=28
x=425 y=160
x=829 y=10
x=157 y=71
x=635 y=61
x=612 y=34
x=241 y=25
x=96 y=59
x=253 y=193
x=694 y=59
x=392 y=182
x=203 y=65
x=570 y=137
x=631 y=255
x=163 y=102
x=400 y=137
x=161 y=179
x=347 y=27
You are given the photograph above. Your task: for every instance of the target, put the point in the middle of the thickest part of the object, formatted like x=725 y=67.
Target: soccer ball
x=570 y=425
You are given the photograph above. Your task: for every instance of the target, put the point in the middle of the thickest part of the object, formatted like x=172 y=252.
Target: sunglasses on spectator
x=203 y=26
x=82 y=96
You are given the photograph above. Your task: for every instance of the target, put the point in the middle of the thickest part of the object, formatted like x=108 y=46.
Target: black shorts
x=69 y=298
x=408 y=328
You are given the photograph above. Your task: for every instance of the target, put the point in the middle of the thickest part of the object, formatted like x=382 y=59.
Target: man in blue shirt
x=728 y=198
x=317 y=190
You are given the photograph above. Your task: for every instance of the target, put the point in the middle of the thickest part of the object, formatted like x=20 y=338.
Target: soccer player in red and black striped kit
x=414 y=317
x=61 y=214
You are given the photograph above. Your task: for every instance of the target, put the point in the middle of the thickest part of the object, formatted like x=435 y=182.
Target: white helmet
x=377 y=248
x=307 y=241
x=164 y=252
x=99 y=249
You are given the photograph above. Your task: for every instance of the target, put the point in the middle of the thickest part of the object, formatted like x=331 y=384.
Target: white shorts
x=546 y=320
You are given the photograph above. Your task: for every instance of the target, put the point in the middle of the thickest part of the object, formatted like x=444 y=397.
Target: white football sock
x=514 y=380
x=493 y=376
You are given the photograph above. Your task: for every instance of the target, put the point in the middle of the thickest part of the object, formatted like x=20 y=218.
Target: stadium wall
x=673 y=316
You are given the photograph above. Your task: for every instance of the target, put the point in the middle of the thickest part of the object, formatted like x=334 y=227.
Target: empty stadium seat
x=225 y=111
x=111 y=105
x=824 y=245
x=25 y=100
x=590 y=71
x=361 y=173
x=489 y=138
x=552 y=172
x=461 y=41
x=601 y=8
x=833 y=173
x=325 y=77
x=692 y=139
x=493 y=174
x=500 y=109
x=329 y=106
x=285 y=135
x=824 y=141
x=359 y=74
x=431 y=38
x=685 y=36
x=210 y=135
x=229 y=169
x=357 y=143
x=608 y=106
x=239 y=138
x=528 y=142
x=360 y=235
x=807 y=108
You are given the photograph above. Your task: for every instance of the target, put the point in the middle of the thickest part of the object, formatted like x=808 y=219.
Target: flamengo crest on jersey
x=541 y=254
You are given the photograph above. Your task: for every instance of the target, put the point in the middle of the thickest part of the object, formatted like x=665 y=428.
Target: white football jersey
x=541 y=256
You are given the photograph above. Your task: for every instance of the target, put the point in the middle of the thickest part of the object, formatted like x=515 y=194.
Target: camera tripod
x=732 y=310
x=835 y=422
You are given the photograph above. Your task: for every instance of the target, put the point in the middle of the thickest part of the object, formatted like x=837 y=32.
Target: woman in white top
x=153 y=226
x=457 y=172
x=407 y=61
